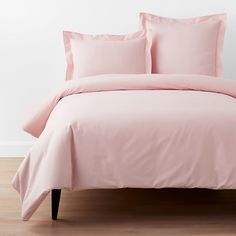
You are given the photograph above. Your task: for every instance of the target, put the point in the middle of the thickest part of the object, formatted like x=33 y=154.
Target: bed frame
x=55 y=200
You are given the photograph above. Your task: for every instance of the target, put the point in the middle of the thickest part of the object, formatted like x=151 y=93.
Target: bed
x=130 y=131
x=113 y=124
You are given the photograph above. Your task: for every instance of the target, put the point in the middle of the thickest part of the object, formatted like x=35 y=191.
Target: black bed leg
x=56 y=194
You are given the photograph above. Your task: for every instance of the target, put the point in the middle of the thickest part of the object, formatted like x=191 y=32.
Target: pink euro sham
x=88 y=55
x=186 y=46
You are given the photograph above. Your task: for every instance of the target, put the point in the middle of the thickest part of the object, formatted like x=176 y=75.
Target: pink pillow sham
x=106 y=54
x=187 y=46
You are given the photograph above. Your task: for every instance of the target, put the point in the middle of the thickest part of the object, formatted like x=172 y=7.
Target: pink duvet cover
x=140 y=131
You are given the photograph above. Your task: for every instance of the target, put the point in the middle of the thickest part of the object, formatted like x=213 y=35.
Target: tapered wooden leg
x=56 y=194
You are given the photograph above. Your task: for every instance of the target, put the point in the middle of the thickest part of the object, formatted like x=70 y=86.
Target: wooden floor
x=120 y=212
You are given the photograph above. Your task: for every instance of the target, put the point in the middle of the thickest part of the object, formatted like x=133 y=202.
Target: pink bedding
x=144 y=131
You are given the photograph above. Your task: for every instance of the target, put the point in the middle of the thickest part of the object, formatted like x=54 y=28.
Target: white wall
x=32 y=59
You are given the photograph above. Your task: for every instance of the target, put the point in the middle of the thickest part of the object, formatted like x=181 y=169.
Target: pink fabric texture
x=117 y=131
x=88 y=55
x=188 y=46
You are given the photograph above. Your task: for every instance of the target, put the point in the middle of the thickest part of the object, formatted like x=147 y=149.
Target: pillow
x=186 y=46
x=106 y=54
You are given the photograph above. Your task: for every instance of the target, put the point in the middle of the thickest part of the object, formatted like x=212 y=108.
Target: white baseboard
x=14 y=149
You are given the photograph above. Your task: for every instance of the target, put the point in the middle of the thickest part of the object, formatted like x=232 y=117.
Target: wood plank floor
x=120 y=212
